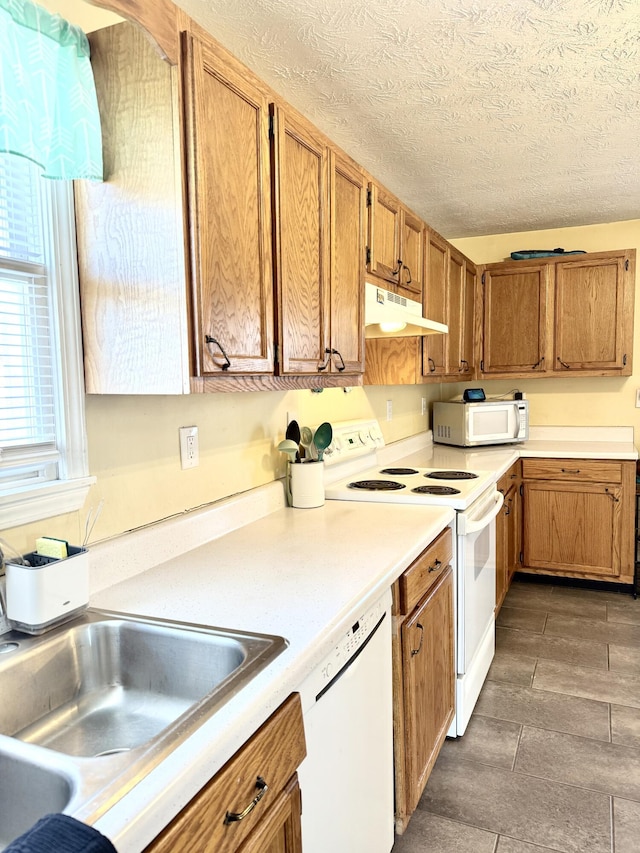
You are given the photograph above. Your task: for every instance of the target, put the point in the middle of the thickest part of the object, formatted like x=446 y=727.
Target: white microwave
x=471 y=424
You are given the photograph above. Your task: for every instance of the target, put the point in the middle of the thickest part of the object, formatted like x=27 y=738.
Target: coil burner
x=435 y=490
x=452 y=475
x=399 y=472
x=376 y=485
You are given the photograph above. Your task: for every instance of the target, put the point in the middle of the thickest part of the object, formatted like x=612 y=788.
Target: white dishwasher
x=347 y=777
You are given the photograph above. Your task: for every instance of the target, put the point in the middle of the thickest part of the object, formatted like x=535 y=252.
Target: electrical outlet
x=292 y=416
x=637 y=398
x=389 y=410
x=189 y=450
x=423 y=410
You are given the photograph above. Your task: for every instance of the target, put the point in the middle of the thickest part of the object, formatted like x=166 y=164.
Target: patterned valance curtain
x=48 y=105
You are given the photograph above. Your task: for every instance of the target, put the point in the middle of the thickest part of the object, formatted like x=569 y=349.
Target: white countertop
x=250 y=563
x=300 y=573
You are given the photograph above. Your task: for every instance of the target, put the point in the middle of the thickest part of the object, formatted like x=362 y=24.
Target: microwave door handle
x=467 y=525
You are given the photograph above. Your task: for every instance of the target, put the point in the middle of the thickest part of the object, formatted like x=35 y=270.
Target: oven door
x=476 y=575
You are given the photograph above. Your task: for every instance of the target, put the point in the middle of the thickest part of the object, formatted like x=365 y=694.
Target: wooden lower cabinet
x=271 y=756
x=578 y=518
x=424 y=671
x=508 y=532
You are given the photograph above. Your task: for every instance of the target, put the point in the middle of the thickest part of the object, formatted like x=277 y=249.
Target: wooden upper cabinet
x=229 y=200
x=435 y=304
x=562 y=315
x=383 y=257
x=592 y=313
x=301 y=170
x=348 y=196
x=410 y=283
x=514 y=327
x=457 y=364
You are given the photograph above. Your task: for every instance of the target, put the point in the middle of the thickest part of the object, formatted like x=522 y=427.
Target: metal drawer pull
x=262 y=787
x=436 y=565
x=570 y=470
x=564 y=364
x=211 y=340
x=417 y=651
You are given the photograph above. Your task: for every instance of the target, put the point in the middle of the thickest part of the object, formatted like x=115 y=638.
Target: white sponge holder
x=48 y=591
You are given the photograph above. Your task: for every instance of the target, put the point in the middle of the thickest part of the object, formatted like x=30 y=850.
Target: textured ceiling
x=484 y=116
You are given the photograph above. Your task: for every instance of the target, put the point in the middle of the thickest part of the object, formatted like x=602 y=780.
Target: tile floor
x=551 y=758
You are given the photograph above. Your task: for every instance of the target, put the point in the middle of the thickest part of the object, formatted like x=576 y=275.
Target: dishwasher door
x=347 y=777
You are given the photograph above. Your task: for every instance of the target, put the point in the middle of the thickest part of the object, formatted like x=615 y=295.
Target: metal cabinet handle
x=262 y=787
x=564 y=364
x=538 y=364
x=328 y=353
x=435 y=566
x=325 y=363
x=409 y=280
x=398 y=269
x=464 y=365
x=570 y=470
x=417 y=651
x=432 y=365
x=342 y=365
x=613 y=497
x=211 y=340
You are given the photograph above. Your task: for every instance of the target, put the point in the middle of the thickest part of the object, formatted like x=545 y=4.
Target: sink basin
x=107 y=684
x=27 y=793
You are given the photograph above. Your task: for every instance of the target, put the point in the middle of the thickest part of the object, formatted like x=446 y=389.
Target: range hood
x=389 y=315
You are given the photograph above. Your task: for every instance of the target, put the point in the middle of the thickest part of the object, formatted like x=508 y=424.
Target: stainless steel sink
x=110 y=695
x=28 y=791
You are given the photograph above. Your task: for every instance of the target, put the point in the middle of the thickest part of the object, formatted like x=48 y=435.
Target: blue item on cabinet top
x=528 y=254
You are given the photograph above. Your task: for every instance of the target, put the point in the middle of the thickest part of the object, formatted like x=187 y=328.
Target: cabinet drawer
x=579 y=470
x=273 y=754
x=425 y=571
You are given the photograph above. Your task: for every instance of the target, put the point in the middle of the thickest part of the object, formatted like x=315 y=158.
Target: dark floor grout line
x=610 y=724
x=532 y=843
x=613 y=826
x=515 y=753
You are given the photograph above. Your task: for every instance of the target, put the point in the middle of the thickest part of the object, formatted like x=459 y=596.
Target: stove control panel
x=352 y=439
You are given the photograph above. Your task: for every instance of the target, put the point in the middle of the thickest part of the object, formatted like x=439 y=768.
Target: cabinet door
x=573 y=527
x=429 y=683
x=302 y=246
x=590 y=321
x=434 y=347
x=514 y=329
x=348 y=212
x=384 y=236
x=228 y=181
x=412 y=255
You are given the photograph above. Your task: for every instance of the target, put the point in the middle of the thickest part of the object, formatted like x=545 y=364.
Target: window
x=43 y=462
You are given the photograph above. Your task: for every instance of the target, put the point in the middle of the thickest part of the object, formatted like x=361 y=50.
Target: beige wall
x=134 y=449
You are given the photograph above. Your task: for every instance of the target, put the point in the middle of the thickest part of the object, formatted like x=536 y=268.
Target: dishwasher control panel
x=346 y=649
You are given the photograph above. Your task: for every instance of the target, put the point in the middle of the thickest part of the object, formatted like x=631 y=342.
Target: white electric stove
x=353 y=473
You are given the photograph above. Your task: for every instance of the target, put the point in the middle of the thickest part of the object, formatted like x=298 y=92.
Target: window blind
x=28 y=371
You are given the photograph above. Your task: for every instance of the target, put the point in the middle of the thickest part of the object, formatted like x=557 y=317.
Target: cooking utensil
x=293 y=434
x=289 y=447
x=306 y=441
x=322 y=439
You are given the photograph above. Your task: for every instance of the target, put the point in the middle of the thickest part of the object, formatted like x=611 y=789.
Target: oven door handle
x=468 y=525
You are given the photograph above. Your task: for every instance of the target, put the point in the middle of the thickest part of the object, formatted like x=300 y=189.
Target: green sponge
x=46 y=546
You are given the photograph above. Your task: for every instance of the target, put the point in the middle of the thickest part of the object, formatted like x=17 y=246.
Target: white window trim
x=69 y=492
